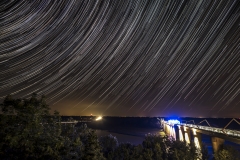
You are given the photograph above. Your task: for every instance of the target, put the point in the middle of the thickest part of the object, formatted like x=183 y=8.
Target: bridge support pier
x=187 y=136
x=197 y=138
x=170 y=130
x=167 y=129
x=164 y=128
x=174 y=135
x=216 y=143
x=179 y=134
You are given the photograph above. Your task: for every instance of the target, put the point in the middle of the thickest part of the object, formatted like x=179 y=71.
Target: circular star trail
x=135 y=57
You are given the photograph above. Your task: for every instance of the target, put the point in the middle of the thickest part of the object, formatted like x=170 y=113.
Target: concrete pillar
x=168 y=129
x=197 y=138
x=173 y=132
x=180 y=133
x=176 y=128
x=216 y=143
x=165 y=125
x=187 y=136
x=165 y=128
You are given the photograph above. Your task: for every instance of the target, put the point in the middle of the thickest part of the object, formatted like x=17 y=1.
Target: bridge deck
x=230 y=135
x=214 y=129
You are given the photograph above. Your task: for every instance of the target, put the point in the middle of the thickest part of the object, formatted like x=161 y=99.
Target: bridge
x=192 y=132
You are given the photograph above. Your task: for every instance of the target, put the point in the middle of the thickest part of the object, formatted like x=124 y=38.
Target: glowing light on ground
x=98 y=118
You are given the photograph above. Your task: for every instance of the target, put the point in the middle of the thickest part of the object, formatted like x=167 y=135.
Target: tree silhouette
x=227 y=152
x=92 y=149
x=28 y=130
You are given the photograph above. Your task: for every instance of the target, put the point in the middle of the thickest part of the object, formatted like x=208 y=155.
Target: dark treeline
x=29 y=131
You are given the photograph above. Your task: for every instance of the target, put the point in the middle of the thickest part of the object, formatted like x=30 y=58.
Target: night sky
x=123 y=57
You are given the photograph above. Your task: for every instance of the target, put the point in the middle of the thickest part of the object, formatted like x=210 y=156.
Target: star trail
x=126 y=57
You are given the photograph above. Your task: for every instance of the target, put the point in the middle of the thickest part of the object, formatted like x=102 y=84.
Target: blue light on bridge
x=173 y=121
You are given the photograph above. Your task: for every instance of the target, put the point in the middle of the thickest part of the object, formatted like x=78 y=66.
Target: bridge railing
x=214 y=129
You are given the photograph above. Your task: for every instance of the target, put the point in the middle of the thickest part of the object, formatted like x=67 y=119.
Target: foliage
x=227 y=152
x=92 y=148
x=108 y=143
x=152 y=147
x=124 y=151
x=137 y=152
x=73 y=144
x=28 y=130
x=179 y=150
x=155 y=147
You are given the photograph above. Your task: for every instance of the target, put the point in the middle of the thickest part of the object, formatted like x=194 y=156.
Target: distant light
x=99 y=118
x=173 y=121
